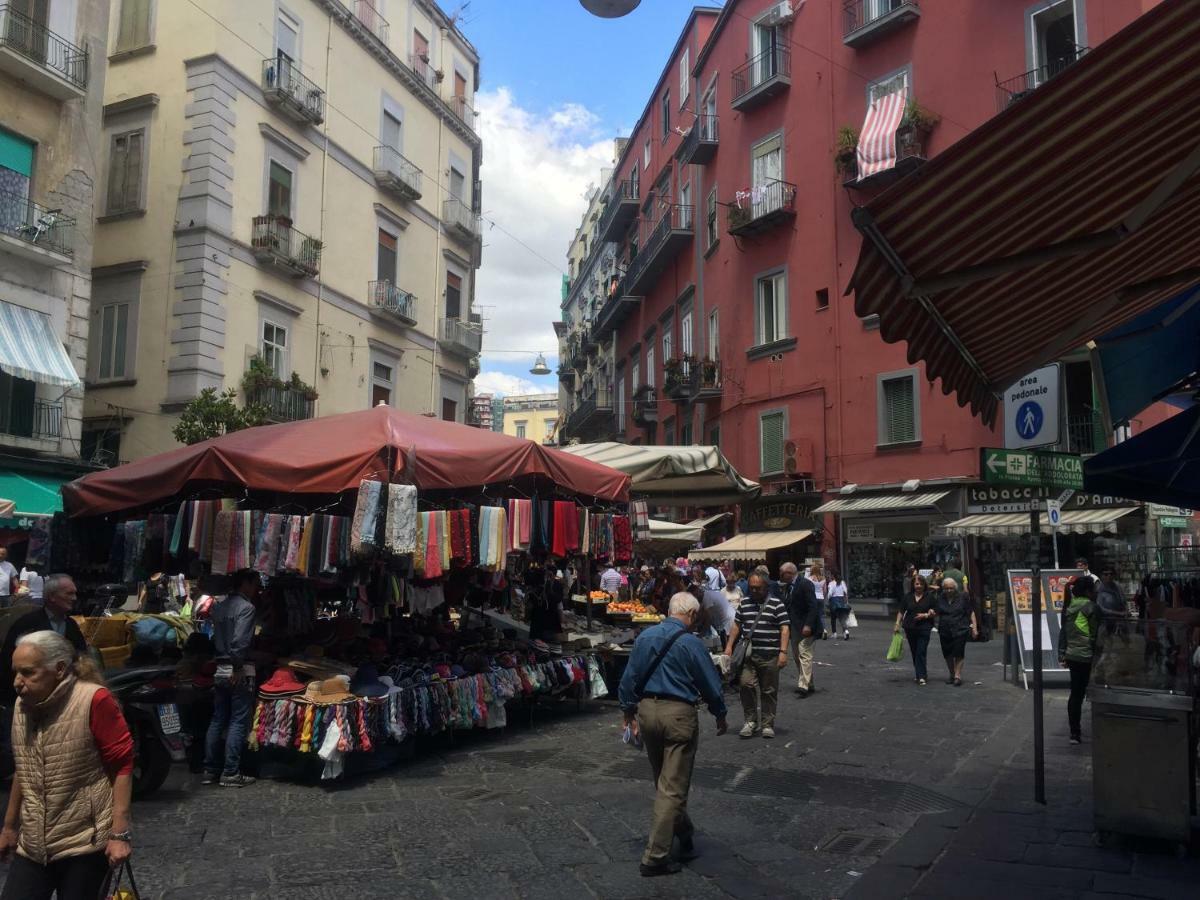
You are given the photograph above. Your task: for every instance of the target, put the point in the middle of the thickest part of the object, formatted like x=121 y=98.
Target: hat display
x=282 y=683
x=331 y=690
x=366 y=683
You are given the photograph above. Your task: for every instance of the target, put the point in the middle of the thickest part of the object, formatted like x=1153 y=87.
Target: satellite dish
x=610 y=9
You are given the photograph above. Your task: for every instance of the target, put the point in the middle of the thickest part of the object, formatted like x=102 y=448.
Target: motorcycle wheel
x=151 y=763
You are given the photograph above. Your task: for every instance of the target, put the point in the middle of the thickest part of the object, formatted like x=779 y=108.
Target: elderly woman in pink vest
x=68 y=813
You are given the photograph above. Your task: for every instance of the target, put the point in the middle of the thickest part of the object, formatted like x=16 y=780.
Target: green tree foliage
x=212 y=414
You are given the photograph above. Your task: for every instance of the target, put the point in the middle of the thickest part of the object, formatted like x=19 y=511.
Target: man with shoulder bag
x=669 y=671
x=763 y=625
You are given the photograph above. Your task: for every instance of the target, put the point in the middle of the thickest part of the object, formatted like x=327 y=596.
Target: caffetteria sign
x=781 y=512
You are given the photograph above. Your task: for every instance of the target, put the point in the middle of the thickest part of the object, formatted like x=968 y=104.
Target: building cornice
x=130 y=104
x=273 y=134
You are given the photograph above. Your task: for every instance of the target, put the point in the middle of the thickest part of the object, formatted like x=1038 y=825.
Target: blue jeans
x=233 y=708
x=918 y=643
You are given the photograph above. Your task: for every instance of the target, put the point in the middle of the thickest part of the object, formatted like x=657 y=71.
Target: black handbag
x=112 y=890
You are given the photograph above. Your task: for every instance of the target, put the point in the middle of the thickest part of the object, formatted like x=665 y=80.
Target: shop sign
x=1173 y=521
x=859 y=531
x=1032 y=467
x=1053 y=591
x=24 y=523
x=1001 y=498
x=1161 y=510
x=780 y=512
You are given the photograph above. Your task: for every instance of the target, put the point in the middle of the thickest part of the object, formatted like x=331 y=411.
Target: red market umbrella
x=333 y=454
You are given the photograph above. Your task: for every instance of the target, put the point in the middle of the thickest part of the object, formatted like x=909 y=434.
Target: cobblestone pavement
x=874 y=788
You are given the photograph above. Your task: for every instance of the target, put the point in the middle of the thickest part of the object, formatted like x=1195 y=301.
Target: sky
x=558 y=84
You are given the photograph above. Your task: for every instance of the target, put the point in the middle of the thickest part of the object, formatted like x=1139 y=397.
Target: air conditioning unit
x=778 y=14
x=798 y=457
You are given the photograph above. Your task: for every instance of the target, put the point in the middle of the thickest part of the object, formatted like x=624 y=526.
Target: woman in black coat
x=955 y=623
x=917 y=612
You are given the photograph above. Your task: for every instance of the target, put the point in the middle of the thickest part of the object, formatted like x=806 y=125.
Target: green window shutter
x=899 y=411
x=771 y=449
x=16 y=154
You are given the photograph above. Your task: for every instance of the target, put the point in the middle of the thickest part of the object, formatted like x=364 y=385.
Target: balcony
x=593 y=417
x=459 y=219
x=459 y=337
x=689 y=379
x=620 y=209
x=474 y=366
x=32 y=53
x=282 y=403
x=645 y=406
x=566 y=373
x=389 y=300
x=274 y=241
x=366 y=13
x=36 y=419
x=286 y=88
x=670 y=234
x=395 y=174
x=1011 y=90
x=1084 y=433
x=419 y=63
x=616 y=308
x=700 y=144
x=910 y=155
x=865 y=21
x=757 y=81
x=461 y=108
x=762 y=208
x=32 y=231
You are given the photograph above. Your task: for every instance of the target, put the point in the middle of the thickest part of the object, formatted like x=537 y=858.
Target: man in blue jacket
x=234 y=688
x=669 y=671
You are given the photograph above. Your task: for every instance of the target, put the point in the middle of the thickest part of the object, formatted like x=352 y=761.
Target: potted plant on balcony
x=708 y=372
x=310 y=255
x=738 y=216
x=672 y=375
x=914 y=130
x=845 y=154
x=307 y=391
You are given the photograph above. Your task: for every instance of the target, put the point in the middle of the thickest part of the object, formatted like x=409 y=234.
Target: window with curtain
x=125 y=157
x=274 y=348
x=385 y=265
x=113 y=341
x=711 y=235
x=650 y=361
x=279 y=191
x=714 y=335
x=771 y=433
x=133 y=30
x=453 y=296
x=685 y=74
x=771 y=312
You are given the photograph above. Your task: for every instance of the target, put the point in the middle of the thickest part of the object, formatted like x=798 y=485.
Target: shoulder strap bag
x=640 y=687
x=737 y=662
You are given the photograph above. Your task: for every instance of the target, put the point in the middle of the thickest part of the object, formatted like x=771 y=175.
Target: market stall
x=371 y=531
x=673 y=476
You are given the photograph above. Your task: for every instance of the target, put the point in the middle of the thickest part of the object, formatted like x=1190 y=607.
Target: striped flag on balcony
x=877 y=143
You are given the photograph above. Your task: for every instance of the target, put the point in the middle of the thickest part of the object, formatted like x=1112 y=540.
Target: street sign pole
x=1039 y=745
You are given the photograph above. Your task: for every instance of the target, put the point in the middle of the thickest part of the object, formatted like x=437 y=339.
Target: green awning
x=32 y=494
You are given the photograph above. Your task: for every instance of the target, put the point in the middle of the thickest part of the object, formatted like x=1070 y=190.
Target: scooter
x=148 y=701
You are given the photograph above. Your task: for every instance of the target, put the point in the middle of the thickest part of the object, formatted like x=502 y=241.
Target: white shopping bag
x=852 y=620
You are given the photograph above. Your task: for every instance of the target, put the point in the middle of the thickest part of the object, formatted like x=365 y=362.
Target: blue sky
x=558 y=85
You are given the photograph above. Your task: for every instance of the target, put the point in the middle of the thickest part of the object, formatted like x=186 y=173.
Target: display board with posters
x=1020 y=591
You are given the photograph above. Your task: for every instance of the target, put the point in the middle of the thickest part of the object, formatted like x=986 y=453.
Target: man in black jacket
x=804 y=611
x=58 y=594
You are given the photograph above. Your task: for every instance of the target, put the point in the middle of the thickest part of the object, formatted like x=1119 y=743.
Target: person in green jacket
x=1077 y=644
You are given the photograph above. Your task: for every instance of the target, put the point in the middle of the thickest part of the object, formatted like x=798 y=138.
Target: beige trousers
x=802 y=652
x=671 y=733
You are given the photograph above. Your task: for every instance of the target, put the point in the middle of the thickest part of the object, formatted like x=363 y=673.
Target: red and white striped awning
x=1071 y=212
x=877 y=140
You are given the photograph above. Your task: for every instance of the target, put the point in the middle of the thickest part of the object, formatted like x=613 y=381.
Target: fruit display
x=647 y=619
x=631 y=607
x=599 y=596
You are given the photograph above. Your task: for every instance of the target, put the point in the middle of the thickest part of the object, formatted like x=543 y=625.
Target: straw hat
x=331 y=690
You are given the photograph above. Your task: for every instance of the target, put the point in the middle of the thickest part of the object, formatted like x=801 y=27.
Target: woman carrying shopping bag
x=916 y=616
x=839 y=604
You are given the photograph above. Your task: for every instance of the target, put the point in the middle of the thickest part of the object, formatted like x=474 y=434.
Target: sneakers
x=748 y=730
x=921 y=681
x=1076 y=739
x=210 y=778
x=237 y=780
x=768 y=732
x=846 y=636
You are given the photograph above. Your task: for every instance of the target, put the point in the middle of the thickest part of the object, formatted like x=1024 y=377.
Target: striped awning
x=882 y=502
x=751 y=546
x=29 y=349
x=673 y=476
x=877 y=140
x=1077 y=521
x=1069 y=213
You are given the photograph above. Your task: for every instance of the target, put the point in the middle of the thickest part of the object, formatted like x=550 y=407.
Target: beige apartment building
x=531 y=416
x=52 y=62
x=293 y=183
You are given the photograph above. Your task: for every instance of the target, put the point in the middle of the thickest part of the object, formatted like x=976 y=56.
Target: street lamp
x=540 y=367
x=610 y=9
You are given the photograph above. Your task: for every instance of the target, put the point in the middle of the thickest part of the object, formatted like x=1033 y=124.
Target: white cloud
x=537 y=166
x=493 y=382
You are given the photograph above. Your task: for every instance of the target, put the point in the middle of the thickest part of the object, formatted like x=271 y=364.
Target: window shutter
x=135 y=25
x=116 y=172
x=771 y=451
x=899 y=418
x=133 y=171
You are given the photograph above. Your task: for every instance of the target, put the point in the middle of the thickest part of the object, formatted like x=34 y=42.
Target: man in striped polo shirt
x=767 y=632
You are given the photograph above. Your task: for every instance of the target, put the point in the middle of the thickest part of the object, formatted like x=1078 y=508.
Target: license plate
x=168 y=718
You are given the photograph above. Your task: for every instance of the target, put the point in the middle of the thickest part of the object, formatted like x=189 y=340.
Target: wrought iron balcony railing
x=1013 y=89
x=366 y=13
x=700 y=144
x=865 y=20
x=297 y=97
x=283 y=403
x=36 y=225
x=460 y=336
x=420 y=64
x=670 y=234
x=619 y=210
x=460 y=217
x=37 y=419
x=462 y=108
x=396 y=174
x=1084 y=433
x=274 y=240
x=387 y=298
x=39 y=45
x=761 y=207
x=761 y=77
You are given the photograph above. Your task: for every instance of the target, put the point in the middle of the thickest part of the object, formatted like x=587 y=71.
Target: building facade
x=729 y=214
x=481 y=412
x=52 y=69
x=531 y=416
x=316 y=249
